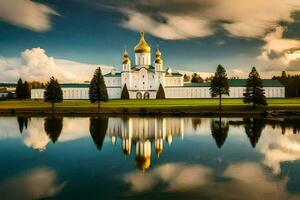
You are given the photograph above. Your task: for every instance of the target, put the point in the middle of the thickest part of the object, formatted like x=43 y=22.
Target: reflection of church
x=143 y=133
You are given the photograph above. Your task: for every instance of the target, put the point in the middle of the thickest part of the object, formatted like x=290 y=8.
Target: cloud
x=35 y=64
x=246 y=179
x=176 y=19
x=34 y=184
x=27 y=14
x=279 y=53
x=278 y=148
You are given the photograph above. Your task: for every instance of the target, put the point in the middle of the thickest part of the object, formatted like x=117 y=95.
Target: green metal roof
x=238 y=83
x=243 y=83
x=196 y=84
x=117 y=74
x=75 y=85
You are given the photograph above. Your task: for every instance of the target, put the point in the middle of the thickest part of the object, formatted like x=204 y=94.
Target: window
x=152 y=76
x=143 y=83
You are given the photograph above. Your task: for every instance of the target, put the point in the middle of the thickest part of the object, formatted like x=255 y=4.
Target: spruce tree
x=97 y=90
x=27 y=91
x=219 y=84
x=219 y=130
x=98 y=128
x=53 y=92
x=255 y=92
x=160 y=93
x=20 y=89
x=125 y=93
x=53 y=127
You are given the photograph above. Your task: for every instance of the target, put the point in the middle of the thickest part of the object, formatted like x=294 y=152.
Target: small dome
x=158 y=59
x=126 y=59
x=142 y=162
x=142 y=46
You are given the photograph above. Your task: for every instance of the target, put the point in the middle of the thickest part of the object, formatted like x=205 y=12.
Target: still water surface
x=149 y=158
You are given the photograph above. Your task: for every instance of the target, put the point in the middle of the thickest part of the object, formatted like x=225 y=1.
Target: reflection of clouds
x=35 y=136
x=9 y=128
x=176 y=176
x=34 y=184
x=278 y=148
x=73 y=129
x=238 y=181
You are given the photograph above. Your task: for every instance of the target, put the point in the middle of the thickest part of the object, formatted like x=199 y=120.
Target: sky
x=70 y=38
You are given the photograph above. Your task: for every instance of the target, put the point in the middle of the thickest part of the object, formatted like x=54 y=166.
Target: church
x=144 y=76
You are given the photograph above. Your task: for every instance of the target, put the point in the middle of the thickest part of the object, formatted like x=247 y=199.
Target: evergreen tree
x=53 y=127
x=253 y=129
x=160 y=93
x=27 y=91
x=125 y=93
x=219 y=84
x=53 y=92
x=97 y=90
x=219 y=130
x=98 y=128
x=197 y=78
x=255 y=93
x=20 y=89
x=186 y=78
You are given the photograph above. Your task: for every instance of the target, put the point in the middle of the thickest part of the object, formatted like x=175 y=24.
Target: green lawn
x=234 y=104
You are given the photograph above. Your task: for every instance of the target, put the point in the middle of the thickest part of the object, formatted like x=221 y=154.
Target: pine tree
x=20 y=89
x=98 y=128
x=97 y=90
x=53 y=92
x=219 y=130
x=255 y=92
x=160 y=93
x=125 y=93
x=27 y=91
x=219 y=84
x=53 y=127
x=197 y=78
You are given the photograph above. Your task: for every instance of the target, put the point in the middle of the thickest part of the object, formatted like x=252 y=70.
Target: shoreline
x=151 y=112
x=170 y=107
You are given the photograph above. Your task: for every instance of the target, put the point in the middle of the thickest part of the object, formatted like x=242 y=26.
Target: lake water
x=149 y=158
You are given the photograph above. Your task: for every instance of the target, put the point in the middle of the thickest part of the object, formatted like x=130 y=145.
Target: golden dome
x=126 y=58
x=142 y=162
x=158 y=59
x=142 y=46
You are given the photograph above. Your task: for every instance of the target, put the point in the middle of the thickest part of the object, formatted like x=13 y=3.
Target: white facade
x=144 y=77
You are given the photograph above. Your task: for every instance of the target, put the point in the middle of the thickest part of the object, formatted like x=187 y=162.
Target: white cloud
x=36 y=183
x=181 y=20
x=35 y=64
x=279 y=53
x=239 y=180
x=27 y=14
x=278 y=148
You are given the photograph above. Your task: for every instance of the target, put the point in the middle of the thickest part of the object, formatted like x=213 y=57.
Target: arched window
x=146 y=95
x=139 y=95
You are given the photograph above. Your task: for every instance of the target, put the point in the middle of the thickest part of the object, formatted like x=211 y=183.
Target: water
x=149 y=158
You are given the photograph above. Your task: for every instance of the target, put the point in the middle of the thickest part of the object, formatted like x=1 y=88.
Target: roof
x=173 y=74
x=75 y=85
x=243 y=83
x=8 y=84
x=238 y=83
x=149 y=68
x=117 y=74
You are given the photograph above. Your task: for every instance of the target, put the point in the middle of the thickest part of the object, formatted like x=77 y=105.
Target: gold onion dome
x=126 y=58
x=143 y=163
x=142 y=46
x=158 y=59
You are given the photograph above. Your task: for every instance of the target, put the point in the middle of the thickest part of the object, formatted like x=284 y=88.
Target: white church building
x=144 y=76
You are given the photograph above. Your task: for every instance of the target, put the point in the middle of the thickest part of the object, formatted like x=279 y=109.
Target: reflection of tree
x=219 y=130
x=23 y=122
x=98 y=128
x=196 y=122
x=253 y=129
x=53 y=127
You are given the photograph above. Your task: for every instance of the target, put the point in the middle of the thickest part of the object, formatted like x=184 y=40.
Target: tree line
x=291 y=84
